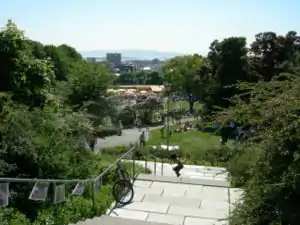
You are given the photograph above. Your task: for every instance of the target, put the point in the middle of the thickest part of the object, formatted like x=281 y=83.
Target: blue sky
x=164 y=25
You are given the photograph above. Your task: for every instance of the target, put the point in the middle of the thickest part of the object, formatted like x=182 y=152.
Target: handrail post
x=133 y=162
x=162 y=168
x=93 y=196
x=155 y=166
x=146 y=165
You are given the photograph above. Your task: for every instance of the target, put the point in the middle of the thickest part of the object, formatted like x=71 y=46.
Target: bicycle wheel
x=123 y=192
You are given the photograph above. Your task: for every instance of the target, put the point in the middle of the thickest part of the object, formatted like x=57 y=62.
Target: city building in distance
x=91 y=59
x=114 y=58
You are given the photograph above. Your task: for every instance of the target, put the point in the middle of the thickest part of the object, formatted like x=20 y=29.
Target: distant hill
x=132 y=54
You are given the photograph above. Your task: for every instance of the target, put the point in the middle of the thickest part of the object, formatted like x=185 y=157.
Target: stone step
x=108 y=220
x=176 y=216
x=183 y=180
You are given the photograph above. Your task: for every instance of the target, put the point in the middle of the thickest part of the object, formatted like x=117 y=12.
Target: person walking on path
x=162 y=131
x=142 y=139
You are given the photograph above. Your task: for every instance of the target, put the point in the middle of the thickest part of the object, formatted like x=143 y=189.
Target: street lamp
x=168 y=89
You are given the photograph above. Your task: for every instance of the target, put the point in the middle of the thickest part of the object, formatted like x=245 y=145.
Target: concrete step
x=108 y=220
x=171 y=202
x=183 y=180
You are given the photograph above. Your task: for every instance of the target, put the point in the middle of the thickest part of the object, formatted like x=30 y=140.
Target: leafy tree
x=181 y=72
x=273 y=182
x=271 y=53
x=140 y=78
x=87 y=87
x=147 y=108
x=28 y=80
x=229 y=65
x=40 y=136
x=154 y=78
x=126 y=79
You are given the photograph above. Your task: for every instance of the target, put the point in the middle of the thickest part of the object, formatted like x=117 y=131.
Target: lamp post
x=168 y=89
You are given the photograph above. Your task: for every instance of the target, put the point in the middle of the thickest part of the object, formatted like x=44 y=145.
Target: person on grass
x=179 y=165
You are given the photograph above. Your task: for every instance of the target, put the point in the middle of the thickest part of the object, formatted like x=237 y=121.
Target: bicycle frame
x=121 y=172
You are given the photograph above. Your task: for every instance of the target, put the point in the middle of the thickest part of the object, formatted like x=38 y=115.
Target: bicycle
x=122 y=191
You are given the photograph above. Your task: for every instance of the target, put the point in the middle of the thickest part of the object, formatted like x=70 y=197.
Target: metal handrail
x=155 y=162
x=156 y=159
x=64 y=181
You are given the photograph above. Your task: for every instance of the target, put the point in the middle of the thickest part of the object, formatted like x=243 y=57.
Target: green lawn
x=181 y=105
x=196 y=147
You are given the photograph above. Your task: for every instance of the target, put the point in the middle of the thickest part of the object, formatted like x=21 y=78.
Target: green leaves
x=272 y=110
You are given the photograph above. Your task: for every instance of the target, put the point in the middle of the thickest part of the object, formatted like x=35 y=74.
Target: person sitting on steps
x=179 y=165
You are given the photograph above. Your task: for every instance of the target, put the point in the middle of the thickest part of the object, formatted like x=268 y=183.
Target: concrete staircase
x=108 y=220
x=168 y=200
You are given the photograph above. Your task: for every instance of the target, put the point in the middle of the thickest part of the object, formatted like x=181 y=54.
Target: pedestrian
x=142 y=139
x=162 y=132
x=92 y=141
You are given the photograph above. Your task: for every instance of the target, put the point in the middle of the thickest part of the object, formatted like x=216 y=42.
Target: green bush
x=114 y=151
x=11 y=216
x=240 y=165
x=127 y=116
x=76 y=208
x=107 y=131
x=218 y=156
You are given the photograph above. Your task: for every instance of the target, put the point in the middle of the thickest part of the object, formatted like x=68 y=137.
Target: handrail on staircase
x=156 y=160
x=93 y=181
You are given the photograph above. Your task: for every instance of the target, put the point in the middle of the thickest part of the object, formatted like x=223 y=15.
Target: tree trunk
x=191 y=103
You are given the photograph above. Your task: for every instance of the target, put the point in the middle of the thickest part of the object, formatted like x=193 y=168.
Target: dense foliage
x=258 y=87
x=140 y=78
x=50 y=103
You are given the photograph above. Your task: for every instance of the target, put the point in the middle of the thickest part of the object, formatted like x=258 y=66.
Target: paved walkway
x=128 y=136
x=177 y=201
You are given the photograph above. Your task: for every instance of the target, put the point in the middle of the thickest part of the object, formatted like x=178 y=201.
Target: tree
x=181 y=72
x=126 y=79
x=28 y=80
x=229 y=65
x=140 y=78
x=87 y=86
x=146 y=109
x=273 y=185
x=270 y=53
x=40 y=136
x=154 y=78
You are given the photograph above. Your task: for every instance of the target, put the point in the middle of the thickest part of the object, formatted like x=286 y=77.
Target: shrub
x=107 y=131
x=10 y=216
x=114 y=151
x=240 y=165
x=77 y=208
x=127 y=116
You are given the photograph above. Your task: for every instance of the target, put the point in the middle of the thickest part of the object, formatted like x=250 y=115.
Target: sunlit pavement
x=178 y=201
x=128 y=136
x=189 y=171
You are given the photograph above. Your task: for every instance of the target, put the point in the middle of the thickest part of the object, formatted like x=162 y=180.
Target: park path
x=128 y=136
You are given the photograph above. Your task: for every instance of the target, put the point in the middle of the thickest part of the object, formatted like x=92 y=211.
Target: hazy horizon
x=183 y=26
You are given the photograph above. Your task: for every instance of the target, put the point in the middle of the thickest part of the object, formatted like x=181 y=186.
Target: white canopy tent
x=165 y=147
